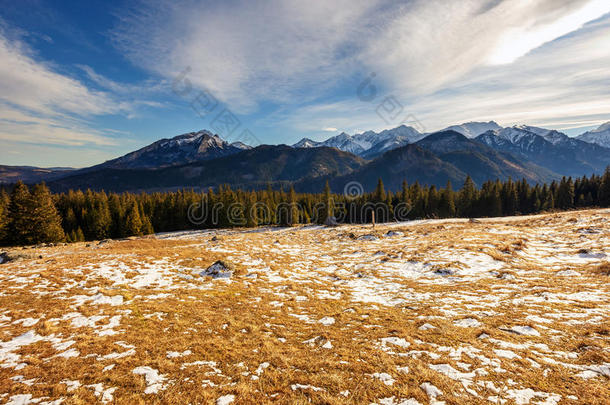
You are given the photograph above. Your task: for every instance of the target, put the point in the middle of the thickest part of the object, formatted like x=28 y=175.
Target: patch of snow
x=173 y=355
x=154 y=380
x=384 y=378
x=401 y=342
x=295 y=387
x=225 y=399
x=327 y=321
x=507 y=354
x=524 y=396
x=522 y=330
x=467 y=323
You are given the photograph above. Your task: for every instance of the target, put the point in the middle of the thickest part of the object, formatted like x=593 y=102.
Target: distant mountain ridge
x=474 y=129
x=599 y=136
x=550 y=149
x=369 y=144
x=30 y=174
x=202 y=159
x=251 y=168
x=186 y=148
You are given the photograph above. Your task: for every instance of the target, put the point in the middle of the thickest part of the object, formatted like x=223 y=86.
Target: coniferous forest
x=33 y=215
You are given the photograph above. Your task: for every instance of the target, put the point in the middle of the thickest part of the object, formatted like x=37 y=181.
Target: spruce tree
x=380 y=195
x=404 y=193
x=446 y=202
x=433 y=201
x=565 y=194
x=4 y=203
x=147 y=228
x=604 y=190
x=20 y=216
x=294 y=208
x=97 y=218
x=46 y=220
x=328 y=208
x=80 y=236
x=251 y=210
x=466 y=198
x=133 y=221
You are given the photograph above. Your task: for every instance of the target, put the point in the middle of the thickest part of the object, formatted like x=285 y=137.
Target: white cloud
x=562 y=85
x=330 y=129
x=250 y=51
x=40 y=105
x=35 y=86
x=520 y=40
x=429 y=44
x=440 y=58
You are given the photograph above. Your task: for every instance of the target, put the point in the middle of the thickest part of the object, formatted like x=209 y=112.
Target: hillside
x=509 y=310
x=252 y=168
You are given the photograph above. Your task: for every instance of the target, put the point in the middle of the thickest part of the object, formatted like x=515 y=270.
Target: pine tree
x=294 y=208
x=251 y=210
x=45 y=218
x=510 y=200
x=604 y=190
x=133 y=221
x=565 y=194
x=80 y=236
x=147 y=228
x=404 y=193
x=446 y=202
x=496 y=200
x=328 y=208
x=380 y=195
x=4 y=203
x=433 y=201
x=97 y=219
x=466 y=198
x=20 y=216
x=117 y=214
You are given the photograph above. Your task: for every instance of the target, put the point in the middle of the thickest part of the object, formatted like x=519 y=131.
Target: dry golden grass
x=501 y=273
x=602 y=270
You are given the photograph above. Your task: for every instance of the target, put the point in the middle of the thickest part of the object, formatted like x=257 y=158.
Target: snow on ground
x=431 y=311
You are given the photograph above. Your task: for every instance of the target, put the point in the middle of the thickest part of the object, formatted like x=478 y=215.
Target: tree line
x=33 y=216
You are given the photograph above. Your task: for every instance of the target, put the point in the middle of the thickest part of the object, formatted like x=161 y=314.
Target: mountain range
x=483 y=150
x=187 y=148
x=599 y=136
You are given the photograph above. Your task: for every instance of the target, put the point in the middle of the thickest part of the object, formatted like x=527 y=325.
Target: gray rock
x=6 y=257
x=331 y=221
x=219 y=269
x=390 y=234
x=367 y=237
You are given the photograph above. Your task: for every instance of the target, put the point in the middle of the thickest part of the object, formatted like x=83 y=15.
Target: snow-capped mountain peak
x=474 y=129
x=186 y=148
x=603 y=128
x=306 y=143
x=554 y=137
x=599 y=136
x=369 y=143
x=241 y=145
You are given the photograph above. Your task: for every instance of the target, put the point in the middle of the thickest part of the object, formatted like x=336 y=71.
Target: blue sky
x=83 y=82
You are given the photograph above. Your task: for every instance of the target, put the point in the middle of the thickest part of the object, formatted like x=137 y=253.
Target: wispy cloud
x=445 y=60
x=247 y=52
x=40 y=105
